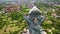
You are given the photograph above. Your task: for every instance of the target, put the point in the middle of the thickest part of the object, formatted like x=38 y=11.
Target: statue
x=34 y=20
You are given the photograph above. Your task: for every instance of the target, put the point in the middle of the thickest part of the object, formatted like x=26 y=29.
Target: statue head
x=34 y=12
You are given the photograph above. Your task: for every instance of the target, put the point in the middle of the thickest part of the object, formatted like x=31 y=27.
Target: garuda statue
x=34 y=20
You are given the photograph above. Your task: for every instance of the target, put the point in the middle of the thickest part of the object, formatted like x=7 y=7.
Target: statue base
x=28 y=32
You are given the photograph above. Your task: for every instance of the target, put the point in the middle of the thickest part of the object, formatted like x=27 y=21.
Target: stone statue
x=34 y=20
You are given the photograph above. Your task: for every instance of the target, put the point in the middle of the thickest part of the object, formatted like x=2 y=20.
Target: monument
x=34 y=20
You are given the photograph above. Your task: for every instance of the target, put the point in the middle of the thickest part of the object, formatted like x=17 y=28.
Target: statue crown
x=34 y=12
x=34 y=8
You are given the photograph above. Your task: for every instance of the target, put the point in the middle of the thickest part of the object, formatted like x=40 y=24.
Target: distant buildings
x=53 y=3
x=12 y=8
